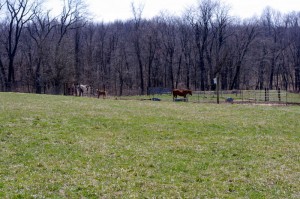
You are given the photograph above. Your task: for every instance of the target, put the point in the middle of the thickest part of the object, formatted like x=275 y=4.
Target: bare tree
x=152 y=45
x=218 y=45
x=201 y=21
x=3 y=78
x=19 y=13
x=220 y=37
x=121 y=63
x=294 y=47
x=138 y=21
x=40 y=31
x=243 y=37
x=271 y=21
x=1 y=5
x=72 y=17
x=186 y=45
x=86 y=67
x=169 y=36
x=112 y=43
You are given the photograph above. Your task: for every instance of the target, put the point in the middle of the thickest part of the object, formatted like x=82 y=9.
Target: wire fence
x=228 y=96
x=248 y=96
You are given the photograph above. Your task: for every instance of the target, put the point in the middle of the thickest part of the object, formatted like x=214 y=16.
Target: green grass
x=71 y=147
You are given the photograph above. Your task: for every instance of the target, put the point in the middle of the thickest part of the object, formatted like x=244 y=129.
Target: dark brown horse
x=184 y=93
x=99 y=92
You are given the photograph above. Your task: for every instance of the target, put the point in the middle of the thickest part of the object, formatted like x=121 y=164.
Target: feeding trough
x=229 y=100
x=180 y=99
x=155 y=99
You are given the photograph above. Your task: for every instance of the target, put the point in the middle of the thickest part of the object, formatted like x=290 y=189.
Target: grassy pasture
x=71 y=147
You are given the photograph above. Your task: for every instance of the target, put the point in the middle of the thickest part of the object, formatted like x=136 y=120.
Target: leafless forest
x=40 y=53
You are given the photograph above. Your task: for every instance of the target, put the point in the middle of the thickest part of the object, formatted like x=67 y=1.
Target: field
x=72 y=147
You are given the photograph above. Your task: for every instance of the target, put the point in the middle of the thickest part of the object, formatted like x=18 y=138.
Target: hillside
x=71 y=147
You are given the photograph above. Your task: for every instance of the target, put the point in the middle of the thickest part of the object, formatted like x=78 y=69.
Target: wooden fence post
x=265 y=94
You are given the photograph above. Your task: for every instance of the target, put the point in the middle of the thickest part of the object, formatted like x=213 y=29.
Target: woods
x=40 y=53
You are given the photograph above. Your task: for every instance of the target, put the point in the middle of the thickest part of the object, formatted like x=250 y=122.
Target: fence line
x=249 y=96
x=232 y=96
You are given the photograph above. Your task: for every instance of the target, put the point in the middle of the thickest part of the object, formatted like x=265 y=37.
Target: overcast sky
x=110 y=10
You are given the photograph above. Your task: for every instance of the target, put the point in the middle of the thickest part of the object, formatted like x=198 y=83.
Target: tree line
x=40 y=53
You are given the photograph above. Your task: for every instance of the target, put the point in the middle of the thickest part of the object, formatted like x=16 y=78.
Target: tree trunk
x=11 y=74
x=236 y=79
x=38 y=85
x=2 y=76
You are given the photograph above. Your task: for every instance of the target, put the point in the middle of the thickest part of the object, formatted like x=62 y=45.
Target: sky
x=111 y=10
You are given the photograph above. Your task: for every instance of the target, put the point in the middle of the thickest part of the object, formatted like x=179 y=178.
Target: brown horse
x=184 y=93
x=99 y=92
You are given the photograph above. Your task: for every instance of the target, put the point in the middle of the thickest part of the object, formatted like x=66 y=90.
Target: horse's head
x=189 y=92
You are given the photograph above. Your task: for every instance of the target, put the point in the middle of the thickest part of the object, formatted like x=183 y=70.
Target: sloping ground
x=71 y=147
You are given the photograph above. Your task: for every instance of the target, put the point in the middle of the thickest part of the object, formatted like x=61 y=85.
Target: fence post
x=279 y=97
x=265 y=94
x=242 y=93
x=218 y=89
x=267 y=97
x=286 y=97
